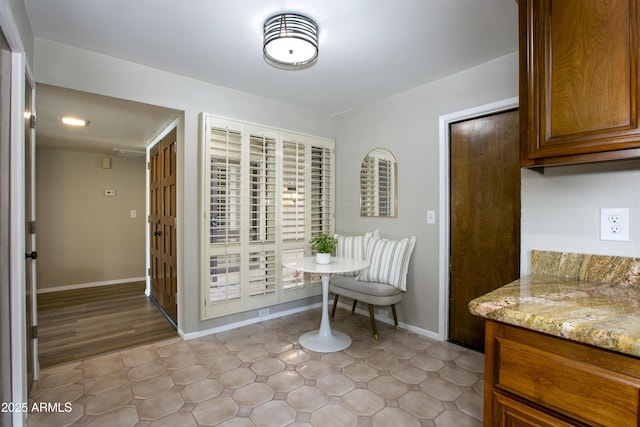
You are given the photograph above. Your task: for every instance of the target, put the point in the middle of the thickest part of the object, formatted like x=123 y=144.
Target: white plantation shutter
x=367 y=187
x=266 y=194
x=225 y=214
x=322 y=190
x=262 y=192
x=293 y=191
x=376 y=192
x=225 y=184
x=384 y=187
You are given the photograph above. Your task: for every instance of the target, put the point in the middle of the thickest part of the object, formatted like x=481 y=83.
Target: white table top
x=337 y=265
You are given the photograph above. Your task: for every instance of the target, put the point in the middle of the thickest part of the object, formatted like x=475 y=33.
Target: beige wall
x=69 y=67
x=85 y=237
x=407 y=124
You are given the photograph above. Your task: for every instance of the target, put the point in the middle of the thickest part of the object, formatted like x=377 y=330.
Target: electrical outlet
x=614 y=224
x=263 y=312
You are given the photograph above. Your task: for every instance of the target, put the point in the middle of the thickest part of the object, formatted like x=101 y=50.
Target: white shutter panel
x=262 y=189
x=262 y=227
x=293 y=192
x=384 y=184
x=225 y=214
x=321 y=191
x=367 y=187
x=225 y=186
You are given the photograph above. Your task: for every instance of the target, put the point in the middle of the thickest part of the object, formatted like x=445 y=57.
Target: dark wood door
x=485 y=216
x=164 y=281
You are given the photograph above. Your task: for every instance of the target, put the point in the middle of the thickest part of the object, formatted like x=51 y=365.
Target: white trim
x=257 y=319
x=31 y=238
x=17 y=238
x=389 y=320
x=90 y=285
x=444 y=122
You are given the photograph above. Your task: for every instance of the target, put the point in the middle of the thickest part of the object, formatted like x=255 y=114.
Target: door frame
x=445 y=186
x=177 y=124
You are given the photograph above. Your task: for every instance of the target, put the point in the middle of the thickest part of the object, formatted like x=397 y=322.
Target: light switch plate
x=431 y=217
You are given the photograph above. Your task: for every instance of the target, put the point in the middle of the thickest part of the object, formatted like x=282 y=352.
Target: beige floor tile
x=200 y=391
x=180 y=360
x=237 y=377
x=253 y=395
x=307 y=398
x=148 y=370
x=258 y=375
x=189 y=375
x=152 y=386
x=108 y=401
x=96 y=385
x=160 y=405
x=275 y=413
x=216 y=410
x=177 y=419
x=267 y=367
x=122 y=417
x=363 y=402
x=397 y=417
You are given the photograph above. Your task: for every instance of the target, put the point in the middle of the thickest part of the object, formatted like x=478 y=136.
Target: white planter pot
x=323 y=258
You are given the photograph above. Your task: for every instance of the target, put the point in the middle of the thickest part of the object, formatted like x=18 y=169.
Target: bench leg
x=353 y=309
x=335 y=304
x=373 y=322
x=395 y=316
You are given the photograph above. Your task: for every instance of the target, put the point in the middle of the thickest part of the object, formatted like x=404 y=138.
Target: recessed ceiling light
x=72 y=121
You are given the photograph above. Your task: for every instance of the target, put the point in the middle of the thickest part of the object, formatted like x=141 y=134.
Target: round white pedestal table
x=324 y=340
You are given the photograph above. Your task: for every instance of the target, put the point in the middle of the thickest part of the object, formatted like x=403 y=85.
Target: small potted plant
x=323 y=244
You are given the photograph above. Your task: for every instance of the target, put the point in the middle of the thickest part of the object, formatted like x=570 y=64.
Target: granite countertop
x=591 y=299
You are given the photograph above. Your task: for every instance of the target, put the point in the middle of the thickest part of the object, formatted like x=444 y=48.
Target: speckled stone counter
x=591 y=299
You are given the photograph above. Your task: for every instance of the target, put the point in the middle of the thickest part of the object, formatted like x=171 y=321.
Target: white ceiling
x=114 y=123
x=369 y=49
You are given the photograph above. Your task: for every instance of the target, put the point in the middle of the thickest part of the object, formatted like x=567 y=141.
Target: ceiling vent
x=119 y=152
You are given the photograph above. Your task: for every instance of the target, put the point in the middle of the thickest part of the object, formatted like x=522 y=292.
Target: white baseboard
x=223 y=328
x=90 y=285
x=227 y=327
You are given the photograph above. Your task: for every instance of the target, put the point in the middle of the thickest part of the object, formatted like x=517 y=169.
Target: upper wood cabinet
x=579 y=81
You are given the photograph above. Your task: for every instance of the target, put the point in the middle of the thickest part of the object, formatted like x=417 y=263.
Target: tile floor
x=258 y=375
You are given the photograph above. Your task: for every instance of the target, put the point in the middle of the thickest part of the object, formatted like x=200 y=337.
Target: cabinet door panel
x=587 y=68
x=578 y=389
x=511 y=413
x=580 y=72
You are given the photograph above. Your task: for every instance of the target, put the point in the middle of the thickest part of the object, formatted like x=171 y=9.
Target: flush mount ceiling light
x=72 y=121
x=290 y=40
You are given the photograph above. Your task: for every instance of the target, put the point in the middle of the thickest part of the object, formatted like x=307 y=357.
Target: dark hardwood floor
x=76 y=324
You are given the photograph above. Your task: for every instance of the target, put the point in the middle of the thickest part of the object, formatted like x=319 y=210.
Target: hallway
x=76 y=324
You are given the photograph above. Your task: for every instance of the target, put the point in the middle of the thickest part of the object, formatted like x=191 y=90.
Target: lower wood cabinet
x=534 y=379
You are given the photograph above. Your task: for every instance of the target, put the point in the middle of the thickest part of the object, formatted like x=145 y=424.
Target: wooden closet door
x=485 y=217
x=162 y=218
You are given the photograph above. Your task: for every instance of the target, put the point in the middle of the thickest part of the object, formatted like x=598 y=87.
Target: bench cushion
x=368 y=292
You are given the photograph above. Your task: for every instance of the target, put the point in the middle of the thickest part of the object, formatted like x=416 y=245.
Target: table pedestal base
x=314 y=341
